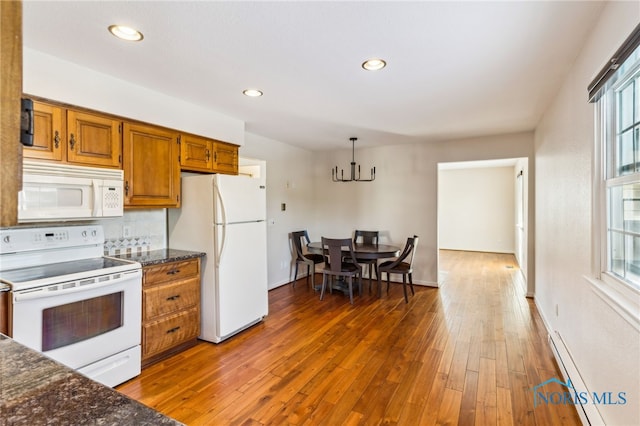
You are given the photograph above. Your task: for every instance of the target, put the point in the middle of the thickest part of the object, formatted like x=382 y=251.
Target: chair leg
x=324 y=282
x=411 y=283
x=379 y=287
x=313 y=276
x=370 y=275
x=388 y=281
x=295 y=275
x=351 y=289
x=404 y=288
x=308 y=271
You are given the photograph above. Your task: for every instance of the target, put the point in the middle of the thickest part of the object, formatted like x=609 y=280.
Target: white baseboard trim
x=588 y=413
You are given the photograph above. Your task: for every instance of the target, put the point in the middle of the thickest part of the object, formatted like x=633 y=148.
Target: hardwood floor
x=467 y=353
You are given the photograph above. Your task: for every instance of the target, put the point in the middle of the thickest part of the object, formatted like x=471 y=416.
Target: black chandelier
x=334 y=172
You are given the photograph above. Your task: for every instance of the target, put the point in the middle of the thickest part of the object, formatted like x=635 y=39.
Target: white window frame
x=622 y=296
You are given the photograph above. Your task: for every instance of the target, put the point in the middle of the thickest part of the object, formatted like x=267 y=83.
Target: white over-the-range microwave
x=61 y=192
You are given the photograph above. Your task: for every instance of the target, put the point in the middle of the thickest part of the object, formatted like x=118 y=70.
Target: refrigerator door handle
x=223 y=224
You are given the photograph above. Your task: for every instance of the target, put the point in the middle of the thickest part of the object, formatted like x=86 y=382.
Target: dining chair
x=402 y=265
x=371 y=238
x=337 y=264
x=300 y=239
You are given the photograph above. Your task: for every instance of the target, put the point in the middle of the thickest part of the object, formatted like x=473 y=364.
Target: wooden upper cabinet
x=200 y=154
x=93 y=139
x=196 y=153
x=48 y=133
x=151 y=166
x=81 y=138
x=225 y=158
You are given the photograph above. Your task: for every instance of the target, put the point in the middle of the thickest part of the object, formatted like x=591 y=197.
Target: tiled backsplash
x=135 y=232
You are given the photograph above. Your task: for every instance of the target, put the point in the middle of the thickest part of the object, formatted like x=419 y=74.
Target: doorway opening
x=483 y=206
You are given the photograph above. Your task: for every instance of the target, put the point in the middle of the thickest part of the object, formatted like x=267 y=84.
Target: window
x=616 y=92
x=619 y=116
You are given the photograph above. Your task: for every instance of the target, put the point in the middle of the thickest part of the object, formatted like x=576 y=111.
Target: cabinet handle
x=173 y=272
x=72 y=141
x=177 y=296
x=207 y=154
x=215 y=156
x=126 y=188
x=56 y=139
x=173 y=330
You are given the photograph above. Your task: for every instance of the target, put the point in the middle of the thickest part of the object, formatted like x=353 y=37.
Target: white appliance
x=224 y=216
x=71 y=303
x=55 y=192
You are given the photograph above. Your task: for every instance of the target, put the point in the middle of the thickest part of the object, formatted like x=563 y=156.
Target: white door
x=242 y=277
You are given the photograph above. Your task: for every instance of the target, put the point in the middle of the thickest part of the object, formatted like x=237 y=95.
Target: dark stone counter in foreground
x=35 y=390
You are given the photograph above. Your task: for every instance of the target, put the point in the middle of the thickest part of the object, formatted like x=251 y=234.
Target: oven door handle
x=47 y=291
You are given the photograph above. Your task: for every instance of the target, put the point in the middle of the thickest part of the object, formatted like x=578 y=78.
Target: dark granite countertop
x=35 y=390
x=156 y=257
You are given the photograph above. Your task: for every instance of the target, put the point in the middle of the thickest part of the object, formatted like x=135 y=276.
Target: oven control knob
x=94 y=233
x=84 y=234
x=7 y=239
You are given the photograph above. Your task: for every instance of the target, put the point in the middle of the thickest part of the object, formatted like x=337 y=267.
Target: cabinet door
x=48 y=133
x=225 y=158
x=4 y=312
x=196 y=153
x=93 y=140
x=151 y=166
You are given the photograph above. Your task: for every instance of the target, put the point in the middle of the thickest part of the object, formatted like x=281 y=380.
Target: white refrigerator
x=225 y=217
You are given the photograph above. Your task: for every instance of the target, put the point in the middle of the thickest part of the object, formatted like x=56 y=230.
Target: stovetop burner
x=35 y=257
x=19 y=278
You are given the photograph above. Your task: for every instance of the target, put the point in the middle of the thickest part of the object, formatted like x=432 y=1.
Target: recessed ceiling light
x=254 y=93
x=374 y=64
x=125 y=33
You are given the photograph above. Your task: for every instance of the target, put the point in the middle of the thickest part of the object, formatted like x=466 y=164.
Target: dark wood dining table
x=362 y=251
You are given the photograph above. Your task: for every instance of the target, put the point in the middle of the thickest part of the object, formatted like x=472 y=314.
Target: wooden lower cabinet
x=4 y=312
x=170 y=308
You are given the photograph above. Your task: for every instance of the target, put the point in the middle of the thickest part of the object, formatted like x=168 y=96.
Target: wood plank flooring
x=468 y=353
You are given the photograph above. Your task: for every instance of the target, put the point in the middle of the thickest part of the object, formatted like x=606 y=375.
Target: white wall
x=604 y=346
x=50 y=77
x=476 y=209
x=289 y=182
x=402 y=201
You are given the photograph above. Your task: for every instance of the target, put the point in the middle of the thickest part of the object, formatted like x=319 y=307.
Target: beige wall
x=605 y=347
x=403 y=199
x=476 y=209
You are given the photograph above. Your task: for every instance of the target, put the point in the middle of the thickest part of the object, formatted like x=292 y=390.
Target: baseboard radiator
x=588 y=412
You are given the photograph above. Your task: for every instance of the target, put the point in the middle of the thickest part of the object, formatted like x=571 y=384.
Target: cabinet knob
x=56 y=139
x=72 y=141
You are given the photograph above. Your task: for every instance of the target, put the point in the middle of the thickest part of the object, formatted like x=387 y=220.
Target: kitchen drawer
x=168 y=298
x=173 y=271
x=158 y=336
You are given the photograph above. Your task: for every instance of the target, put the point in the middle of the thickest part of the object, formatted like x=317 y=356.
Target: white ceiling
x=455 y=69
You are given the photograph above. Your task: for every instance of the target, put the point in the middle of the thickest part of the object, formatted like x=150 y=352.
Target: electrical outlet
x=126 y=231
